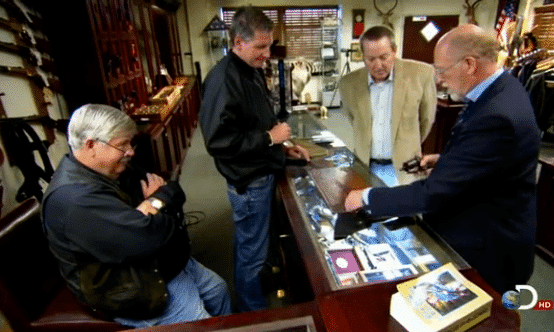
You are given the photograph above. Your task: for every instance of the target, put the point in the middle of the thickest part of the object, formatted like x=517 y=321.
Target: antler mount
x=388 y=14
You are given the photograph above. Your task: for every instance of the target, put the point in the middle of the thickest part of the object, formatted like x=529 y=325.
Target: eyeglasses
x=441 y=71
x=130 y=147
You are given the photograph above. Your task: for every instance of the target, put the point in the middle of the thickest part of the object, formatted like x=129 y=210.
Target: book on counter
x=440 y=300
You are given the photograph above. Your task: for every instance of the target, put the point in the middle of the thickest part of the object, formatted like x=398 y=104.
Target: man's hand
x=146 y=208
x=280 y=132
x=298 y=152
x=428 y=162
x=354 y=200
x=153 y=182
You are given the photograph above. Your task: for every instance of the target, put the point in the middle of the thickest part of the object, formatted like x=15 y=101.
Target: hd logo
x=512 y=300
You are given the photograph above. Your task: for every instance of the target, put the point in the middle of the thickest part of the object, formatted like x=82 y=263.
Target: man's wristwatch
x=156 y=203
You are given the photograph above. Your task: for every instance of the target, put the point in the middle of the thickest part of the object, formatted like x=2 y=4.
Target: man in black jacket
x=103 y=218
x=480 y=196
x=246 y=139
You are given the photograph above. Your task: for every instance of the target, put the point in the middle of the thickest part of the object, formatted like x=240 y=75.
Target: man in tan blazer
x=391 y=104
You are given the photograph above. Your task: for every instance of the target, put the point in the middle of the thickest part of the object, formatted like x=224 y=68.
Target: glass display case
x=355 y=248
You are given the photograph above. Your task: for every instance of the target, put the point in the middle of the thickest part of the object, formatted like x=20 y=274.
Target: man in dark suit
x=480 y=195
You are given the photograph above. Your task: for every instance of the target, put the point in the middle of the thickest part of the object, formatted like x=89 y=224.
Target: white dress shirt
x=381 y=108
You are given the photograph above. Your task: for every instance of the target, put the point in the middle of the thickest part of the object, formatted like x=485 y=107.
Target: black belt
x=380 y=161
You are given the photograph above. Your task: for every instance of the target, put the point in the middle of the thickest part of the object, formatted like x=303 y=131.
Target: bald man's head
x=469 y=40
x=464 y=57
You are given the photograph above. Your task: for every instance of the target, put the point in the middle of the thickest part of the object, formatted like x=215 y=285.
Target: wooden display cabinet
x=121 y=53
x=112 y=52
x=117 y=45
x=162 y=146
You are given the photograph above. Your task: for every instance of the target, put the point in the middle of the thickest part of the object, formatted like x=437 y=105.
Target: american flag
x=507 y=15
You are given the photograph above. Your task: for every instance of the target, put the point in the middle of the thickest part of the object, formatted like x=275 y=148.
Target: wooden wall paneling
x=180 y=129
x=116 y=43
x=176 y=56
x=169 y=145
x=159 y=150
x=188 y=113
x=145 y=47
x=176 y=139
x=183 y=124
x=149 y=14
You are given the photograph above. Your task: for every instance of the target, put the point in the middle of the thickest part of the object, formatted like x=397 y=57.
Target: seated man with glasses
x=391 y=104
x=119 y=234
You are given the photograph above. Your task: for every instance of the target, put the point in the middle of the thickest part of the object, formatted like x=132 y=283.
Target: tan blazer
x=413 y=111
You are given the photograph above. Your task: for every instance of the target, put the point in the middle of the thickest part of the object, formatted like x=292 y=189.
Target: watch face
x=156 y=203
x=358 y=18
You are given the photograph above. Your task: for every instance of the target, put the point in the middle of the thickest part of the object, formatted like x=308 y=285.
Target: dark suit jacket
x=481 y=195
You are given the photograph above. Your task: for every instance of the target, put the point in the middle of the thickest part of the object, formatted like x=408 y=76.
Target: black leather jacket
x=89 y=218
x=235 y=116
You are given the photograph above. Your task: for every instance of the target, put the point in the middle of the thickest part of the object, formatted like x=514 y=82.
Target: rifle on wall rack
x=45 y=120
x=20 y=141
x=25 y=34
x=17 y=10
x=36 y=75
x=30 y=54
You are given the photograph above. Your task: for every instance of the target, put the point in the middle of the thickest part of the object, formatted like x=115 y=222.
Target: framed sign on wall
x=356 y=55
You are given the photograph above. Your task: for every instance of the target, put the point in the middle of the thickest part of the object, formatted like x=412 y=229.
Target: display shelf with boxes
x=330 y=59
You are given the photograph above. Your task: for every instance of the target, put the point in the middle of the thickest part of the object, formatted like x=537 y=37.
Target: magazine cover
x=445 y=297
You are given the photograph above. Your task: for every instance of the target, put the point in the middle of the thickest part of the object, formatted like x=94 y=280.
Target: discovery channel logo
x=511 y=300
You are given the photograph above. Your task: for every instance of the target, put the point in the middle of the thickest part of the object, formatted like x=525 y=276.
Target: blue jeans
x=195 y=293
x=251 y=214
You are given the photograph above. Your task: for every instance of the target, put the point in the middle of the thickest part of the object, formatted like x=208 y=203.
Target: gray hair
x=246 y=21
x=95 y=121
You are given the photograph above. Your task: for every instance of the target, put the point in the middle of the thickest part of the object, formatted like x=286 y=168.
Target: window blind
x=544 y=23
x=300 y=28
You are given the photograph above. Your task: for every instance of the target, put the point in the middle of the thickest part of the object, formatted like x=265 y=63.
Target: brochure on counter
x=440 y=300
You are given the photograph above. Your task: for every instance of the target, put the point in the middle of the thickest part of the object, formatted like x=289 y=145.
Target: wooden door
x=415 y=45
